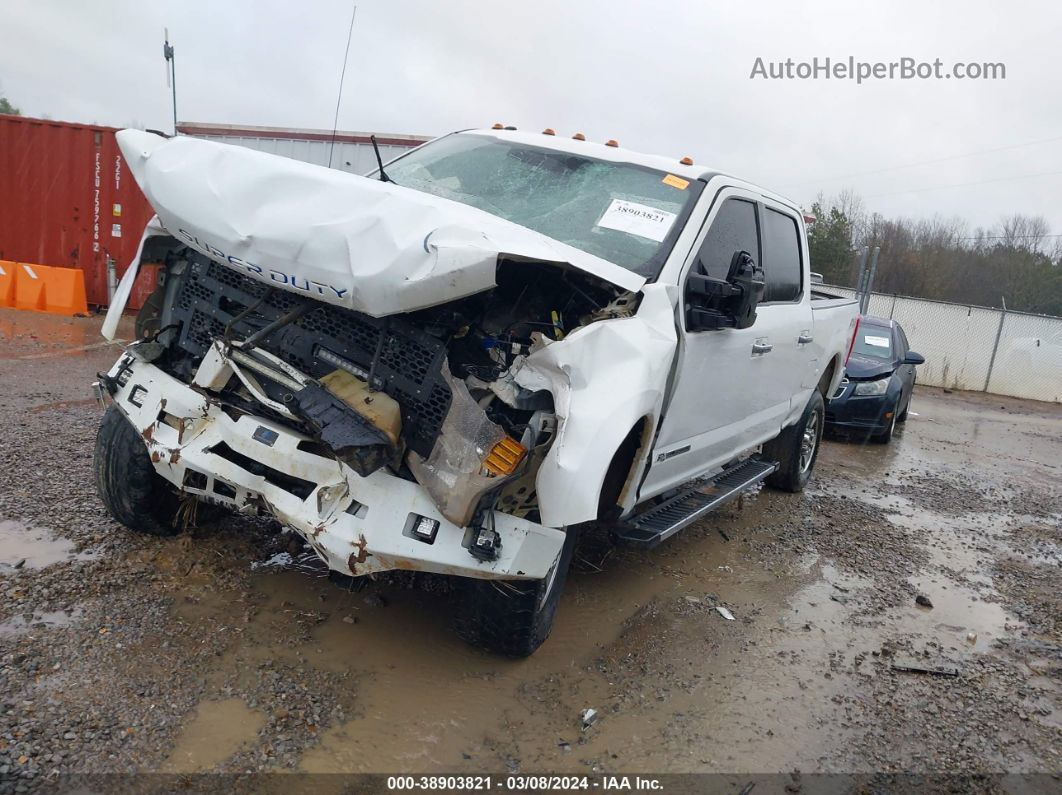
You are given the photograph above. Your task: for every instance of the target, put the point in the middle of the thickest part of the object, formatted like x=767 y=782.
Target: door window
x=781 y=256
x=734 y=229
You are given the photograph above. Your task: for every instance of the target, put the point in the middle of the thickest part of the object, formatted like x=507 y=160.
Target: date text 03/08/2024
x=523 y=783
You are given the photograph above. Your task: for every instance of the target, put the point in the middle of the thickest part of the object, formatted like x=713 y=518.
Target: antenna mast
x=342 y=77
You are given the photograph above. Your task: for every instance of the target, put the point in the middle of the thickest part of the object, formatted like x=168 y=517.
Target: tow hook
x=485 y=544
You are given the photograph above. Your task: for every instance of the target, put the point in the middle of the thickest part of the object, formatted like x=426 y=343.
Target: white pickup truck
x=456 y=363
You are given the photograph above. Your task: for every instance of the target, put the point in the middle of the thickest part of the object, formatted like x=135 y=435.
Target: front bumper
x=357 y=525
x=859 y=412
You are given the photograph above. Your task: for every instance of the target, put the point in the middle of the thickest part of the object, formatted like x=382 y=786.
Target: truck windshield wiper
x=379 y=160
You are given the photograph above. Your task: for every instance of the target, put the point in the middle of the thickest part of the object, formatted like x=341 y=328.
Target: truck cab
x=458 y=363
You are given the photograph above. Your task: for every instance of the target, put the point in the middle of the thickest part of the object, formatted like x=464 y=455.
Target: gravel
x=106 y=657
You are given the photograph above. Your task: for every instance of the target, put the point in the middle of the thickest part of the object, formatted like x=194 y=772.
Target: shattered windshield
x=627 y=214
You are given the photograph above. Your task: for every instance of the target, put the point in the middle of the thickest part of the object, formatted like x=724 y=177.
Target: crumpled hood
x=355 y=242
x=867 y=367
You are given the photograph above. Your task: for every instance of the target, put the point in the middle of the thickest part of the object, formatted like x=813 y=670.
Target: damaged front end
x=346 y=426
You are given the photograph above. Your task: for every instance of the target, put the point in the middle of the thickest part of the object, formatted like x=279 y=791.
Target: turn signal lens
x=504 y=457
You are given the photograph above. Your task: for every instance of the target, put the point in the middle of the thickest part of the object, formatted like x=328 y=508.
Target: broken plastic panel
x=454 y=474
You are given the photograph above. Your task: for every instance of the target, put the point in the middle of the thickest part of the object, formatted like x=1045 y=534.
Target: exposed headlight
x=872 y=387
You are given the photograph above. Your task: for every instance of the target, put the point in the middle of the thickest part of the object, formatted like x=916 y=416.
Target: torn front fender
x=604 y=377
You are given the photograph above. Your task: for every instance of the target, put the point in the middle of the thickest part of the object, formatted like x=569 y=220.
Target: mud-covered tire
x=513 y=617
x=902 y=416
x=134 y=494
x=886 y=435
x=790 y=448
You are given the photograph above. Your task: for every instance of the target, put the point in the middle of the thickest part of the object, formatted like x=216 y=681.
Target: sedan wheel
x=886 y=436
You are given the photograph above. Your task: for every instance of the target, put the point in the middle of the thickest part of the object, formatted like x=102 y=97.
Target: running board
x=660 y=522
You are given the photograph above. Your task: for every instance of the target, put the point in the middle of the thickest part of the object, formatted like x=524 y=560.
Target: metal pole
x=112 y=280
x=862 y=272
x=892 y=309
x=173 y=72
x=870 y=280
x=995 y=345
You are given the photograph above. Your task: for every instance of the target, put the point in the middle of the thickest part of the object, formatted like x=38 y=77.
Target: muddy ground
x=120 y=653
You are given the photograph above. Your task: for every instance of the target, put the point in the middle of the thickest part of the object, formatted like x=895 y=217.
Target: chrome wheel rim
x=809 y=441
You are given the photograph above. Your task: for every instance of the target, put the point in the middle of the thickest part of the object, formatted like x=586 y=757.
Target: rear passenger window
x=781 y=257
x=734 y=229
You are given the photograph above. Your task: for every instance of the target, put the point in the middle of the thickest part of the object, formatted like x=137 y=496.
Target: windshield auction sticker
x=637 y=219
x=676 y=182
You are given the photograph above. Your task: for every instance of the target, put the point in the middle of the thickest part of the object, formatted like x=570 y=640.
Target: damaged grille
x=408 y=361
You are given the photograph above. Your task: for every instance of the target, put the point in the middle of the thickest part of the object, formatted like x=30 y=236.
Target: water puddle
x=49 y=335
x=26 y=547
x=23 y=624
x=967 y=615
x=629 y=610
x=960 y=619
x=218 y=730
x=637 y=638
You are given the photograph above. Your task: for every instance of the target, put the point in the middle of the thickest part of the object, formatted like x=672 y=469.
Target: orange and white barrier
x=7 y=283
x=42 y=288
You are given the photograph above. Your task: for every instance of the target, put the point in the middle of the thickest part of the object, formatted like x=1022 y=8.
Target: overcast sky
x=664 y=77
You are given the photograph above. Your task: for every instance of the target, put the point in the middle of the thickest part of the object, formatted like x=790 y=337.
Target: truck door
x=732 y=388
x=788 y=300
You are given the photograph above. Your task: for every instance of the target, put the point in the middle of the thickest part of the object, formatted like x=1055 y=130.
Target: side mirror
x=716 y=303
x=914 y=358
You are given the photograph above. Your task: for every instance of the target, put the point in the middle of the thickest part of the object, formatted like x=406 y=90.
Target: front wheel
x=902 y=416
x=134 y=493
x=513 y=617
x=885 y=436
x=797 y=447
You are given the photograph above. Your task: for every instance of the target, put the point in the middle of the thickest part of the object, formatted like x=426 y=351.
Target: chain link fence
x=976 y=348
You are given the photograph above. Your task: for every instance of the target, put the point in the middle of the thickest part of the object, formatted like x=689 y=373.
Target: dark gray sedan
x=879 y=378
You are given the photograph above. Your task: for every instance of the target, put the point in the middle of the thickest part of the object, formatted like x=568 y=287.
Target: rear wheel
x=134 y=493
x=797 y=447
x=513 y=617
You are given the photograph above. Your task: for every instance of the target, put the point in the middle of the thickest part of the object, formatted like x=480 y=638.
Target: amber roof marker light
x=498 y=126
x=579 y=137
x=687 y=161
x=549 y=131
x=611 y=142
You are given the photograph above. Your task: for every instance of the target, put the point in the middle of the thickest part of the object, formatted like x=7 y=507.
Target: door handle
x=760 y=348
x=804 y=338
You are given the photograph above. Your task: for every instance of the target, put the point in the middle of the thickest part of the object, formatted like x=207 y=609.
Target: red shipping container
x=67 y=199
